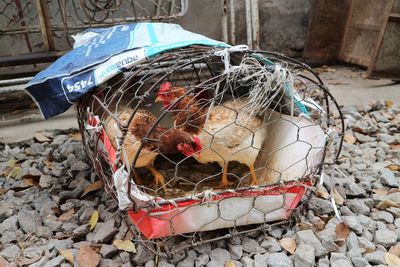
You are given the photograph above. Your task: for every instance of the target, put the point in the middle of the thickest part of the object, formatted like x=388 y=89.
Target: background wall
x=283 y=23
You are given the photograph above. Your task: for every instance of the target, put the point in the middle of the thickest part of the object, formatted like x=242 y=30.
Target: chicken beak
x=158 y=99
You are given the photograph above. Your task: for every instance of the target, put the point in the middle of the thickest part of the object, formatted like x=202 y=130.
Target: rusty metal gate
x=36 y=31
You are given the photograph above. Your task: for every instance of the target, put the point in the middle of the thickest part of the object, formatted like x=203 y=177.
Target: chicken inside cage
x=182 y=130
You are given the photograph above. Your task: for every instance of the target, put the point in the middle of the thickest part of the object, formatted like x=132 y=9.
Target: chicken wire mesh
x=196 y=139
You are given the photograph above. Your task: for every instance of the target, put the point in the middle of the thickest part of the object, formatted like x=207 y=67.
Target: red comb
x=165 y=86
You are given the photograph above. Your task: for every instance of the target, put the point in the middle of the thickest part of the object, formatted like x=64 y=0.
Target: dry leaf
x=230 y=264
x=349 y=138
x=380 y=191
x=393 y=190
x=342 y=231
x=392 y=260
x=125 y=245
x=93 y=219
x=288 y=244
x=395 y=250
x=393 y=167
x=76 y=136
x=3 y=262
x=322 y=193
x=31 y=180
x=92 y=187
x=41 y=138
x=87 y=257
x=395 y=146
x=389 y=103
x=49 y=164
x=67 y=254
x=384 y=204
x=66 y=216
x=337 y=197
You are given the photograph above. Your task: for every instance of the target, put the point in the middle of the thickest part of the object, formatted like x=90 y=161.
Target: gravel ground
x=45 y=220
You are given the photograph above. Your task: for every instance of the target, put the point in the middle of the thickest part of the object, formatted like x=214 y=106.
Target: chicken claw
x=254 y=180
x=159 y=179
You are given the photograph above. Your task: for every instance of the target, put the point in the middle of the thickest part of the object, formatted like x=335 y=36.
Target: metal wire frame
x=46 y=25
x=196 y=68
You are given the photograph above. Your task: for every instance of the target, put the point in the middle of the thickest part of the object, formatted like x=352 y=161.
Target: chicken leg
x=224 y=178
x=158 y=177
x=254 y=180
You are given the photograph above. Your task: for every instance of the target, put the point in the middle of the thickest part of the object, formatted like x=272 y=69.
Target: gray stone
x=143 y=254
x=377 y=257
x=8 y=237
x=366 y=244
x=65 y=265
x=10 y=253
x=340 y=260
x=383 y=216
x=385 y=238
x=52 y=223
x=44 y=231
x=357 y=206
x=323 y=262
x=150 y=264
x=6 y=210
x=81 y=230
x=388 y=178
x=260 y=260
x=308 y=237
x=354 y=190
x=9 y=224
x=111 y=263
x=247 y=262
x=86 y=214
x=360 y=262
x=105 y=232
x=34 y=251
x=218 y=257
x=45 y=181
x=108 y=251
x=304 y=256
x=251 y=246
x=355 y=252
x=320 y=206
x=189 y=260
x=203 y=248
x=59 y=244
x=68 y=227
x=394 y=211
x=386 y=138
x=271 y=245
x=165 y=264
x=236 y=251
x=395 y=197
x=352 y=241
x=279 y=260
x=201 y=260
x=353 y=223
x=29 y=221
x=55 y=262
x=79 y=166
x=125 y=256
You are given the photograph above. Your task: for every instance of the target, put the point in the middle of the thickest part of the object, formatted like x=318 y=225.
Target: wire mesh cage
x=196 y=139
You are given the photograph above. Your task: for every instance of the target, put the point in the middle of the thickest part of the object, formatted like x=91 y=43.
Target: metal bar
x=248 y=24
x=255 y=24
x=29 y=58
x=45 y=24
x=224 y=21
x=232 y=7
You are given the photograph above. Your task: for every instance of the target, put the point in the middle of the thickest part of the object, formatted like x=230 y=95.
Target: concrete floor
x=348 y=85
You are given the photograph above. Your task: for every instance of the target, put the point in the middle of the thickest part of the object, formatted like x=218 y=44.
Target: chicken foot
x=254 y=180
x=159 y=179
x=224 y=178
